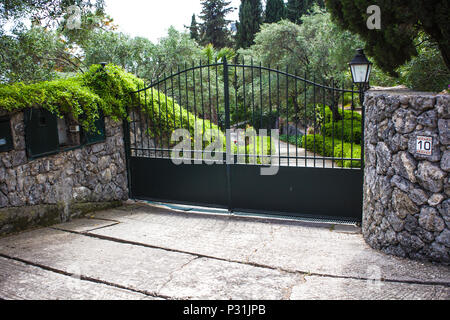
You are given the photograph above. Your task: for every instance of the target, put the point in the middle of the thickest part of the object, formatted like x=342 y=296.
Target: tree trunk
x=445 y=52
x=336 y=115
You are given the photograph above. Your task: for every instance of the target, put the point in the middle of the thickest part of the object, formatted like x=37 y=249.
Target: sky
x=152 y=18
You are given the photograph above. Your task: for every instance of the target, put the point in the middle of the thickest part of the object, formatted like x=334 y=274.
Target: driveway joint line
x=85 y=278
x=111 y=225
x=254 y=264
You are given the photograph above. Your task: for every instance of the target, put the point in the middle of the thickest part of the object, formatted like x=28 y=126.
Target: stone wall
x=89 y=174
x=406 y=194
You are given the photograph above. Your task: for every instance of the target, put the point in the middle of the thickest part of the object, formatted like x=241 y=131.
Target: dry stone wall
x=406 y=192
x=89 y=174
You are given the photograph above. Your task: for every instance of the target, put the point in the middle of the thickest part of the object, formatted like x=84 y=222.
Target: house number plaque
x=425 y=145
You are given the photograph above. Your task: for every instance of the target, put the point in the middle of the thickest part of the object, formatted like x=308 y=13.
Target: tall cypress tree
x=295 y=9
x=275 y=11
x=214 y=28
x=250 y=19
x=194 y=29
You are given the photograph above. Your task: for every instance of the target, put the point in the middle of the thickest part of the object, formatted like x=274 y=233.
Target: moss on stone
x=25 y=218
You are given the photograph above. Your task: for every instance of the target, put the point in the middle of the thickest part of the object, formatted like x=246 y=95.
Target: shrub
x=348 y=115
x=343 y=131
x=294 y=140
x=326 y=149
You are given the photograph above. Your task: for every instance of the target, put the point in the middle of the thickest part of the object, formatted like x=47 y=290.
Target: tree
x=47 y=13
x=194 y=29
x=275 y=11
x=427 y=71
x=141 y=57
x=401 y=22
x=38 y=52
x=317 y=47
x=250 y=19
x=214 y=28
x=33 y=55
x=295 y=9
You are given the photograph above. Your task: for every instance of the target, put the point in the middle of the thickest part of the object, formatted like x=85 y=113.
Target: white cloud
x=152 y=18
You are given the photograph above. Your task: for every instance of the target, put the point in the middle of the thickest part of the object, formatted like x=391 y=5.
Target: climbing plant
x=106 y=90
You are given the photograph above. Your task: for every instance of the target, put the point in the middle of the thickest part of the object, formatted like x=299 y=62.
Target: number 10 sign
x=425 y=145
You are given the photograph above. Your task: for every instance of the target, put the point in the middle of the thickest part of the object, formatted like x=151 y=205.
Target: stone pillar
x=406 y=192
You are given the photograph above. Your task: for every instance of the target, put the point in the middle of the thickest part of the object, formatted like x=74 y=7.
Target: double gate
x=314 y=159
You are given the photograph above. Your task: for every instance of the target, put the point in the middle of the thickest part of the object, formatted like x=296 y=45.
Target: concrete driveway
x=148 y=252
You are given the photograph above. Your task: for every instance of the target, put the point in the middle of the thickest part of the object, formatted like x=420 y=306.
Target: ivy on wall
x=106 y=90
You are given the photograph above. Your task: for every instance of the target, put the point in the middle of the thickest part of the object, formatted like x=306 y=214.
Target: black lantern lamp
x=361 y=68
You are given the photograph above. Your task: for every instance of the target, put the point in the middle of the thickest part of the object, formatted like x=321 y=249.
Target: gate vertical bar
x=227 y=128
x=363 y=120
x=127 y=145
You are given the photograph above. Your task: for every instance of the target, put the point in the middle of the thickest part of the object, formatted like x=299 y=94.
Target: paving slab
x=142 y=252
x=292 y=246
x=326 y=288
x=133 y=267
x=19 y=281
x=84 y=225
x=209 y=279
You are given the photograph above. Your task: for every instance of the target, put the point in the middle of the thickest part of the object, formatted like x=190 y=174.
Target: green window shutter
x=6 y=142
x=41 y=133
x=95 y=136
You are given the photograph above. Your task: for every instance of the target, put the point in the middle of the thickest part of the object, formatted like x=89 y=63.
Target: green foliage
x=250 y=19
x=263 y=120
x=402 y=21
x=427 y=71
x=35 y=43
x=58 y=96
x=316 y=47
x=141 y=57
x=214 y=28
x=43 y=11
x=212 y=54
x=295 y=9
x=32 y=55
x=294 y=140
x=343 y=131
x=344 y=138
x=275 y=11
x=316 y=144
x=348 y=115
x=105 y=90
x=193 y=29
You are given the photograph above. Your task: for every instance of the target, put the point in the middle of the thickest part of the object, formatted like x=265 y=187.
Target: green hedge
x=328 y=151
x=292 y=139
x=347 y=133
x=348 y=115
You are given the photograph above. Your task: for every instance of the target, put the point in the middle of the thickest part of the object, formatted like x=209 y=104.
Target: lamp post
x=361 y=68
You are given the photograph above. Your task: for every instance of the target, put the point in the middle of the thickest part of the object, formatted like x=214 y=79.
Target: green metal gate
x=318 y=158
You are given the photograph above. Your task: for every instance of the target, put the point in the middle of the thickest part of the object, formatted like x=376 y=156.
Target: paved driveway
x=148 y=252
